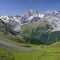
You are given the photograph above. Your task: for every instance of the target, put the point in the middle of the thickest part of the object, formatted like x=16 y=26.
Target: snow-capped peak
x=31 y=16
x=31 y=13
x=51 y=12
x=41 y=15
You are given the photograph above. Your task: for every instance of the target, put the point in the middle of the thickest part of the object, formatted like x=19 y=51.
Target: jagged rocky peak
x=31 y=16
x=32 y=12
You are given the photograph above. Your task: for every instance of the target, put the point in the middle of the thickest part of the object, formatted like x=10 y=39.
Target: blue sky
x=19 y=7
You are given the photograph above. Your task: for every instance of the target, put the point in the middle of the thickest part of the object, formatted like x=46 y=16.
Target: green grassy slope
x=6 y=54
x=56 y=45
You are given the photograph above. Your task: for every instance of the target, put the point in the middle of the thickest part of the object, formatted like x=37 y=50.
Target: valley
x=33 y=36
x=42 y=52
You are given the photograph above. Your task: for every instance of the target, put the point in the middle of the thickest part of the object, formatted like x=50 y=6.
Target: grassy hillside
x=56 y=44
x=6 y=54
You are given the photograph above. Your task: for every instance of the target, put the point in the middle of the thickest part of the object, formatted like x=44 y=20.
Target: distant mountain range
x=53 y=17
x=33 y=26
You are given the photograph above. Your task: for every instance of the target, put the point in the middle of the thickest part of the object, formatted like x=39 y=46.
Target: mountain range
x=34 y=26
x=53 y=17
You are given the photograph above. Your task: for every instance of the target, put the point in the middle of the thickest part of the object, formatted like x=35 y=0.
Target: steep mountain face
x=31 y=16
x=6 y=28
x=37 y=32
x=12 y=21
x=8 y=19
x=54 y=18
x=40 y=33
x=2 y=26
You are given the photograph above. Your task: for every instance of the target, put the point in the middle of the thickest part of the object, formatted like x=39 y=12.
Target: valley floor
x=41 y=52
